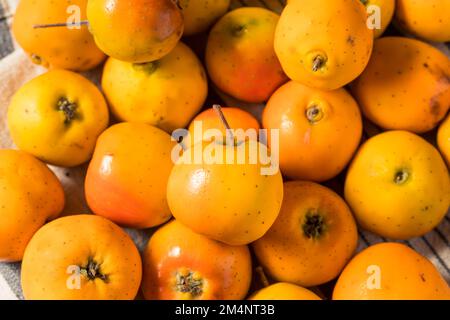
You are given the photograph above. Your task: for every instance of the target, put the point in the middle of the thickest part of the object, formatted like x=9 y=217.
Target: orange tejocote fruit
x=199 y=15
x=135 y=30
x=284 y=291
x=323 y=44
x=58 y=117
x=30 y=196
x=380 y=9
x=319 y=130
x=444 y=139
x=127 y=178
x=427 y=19
x=240 y=57
x=398 y=186
x=405 y=86
x=81 y=257
x=230 y=191
x=182 y=265
x=166 y=93
x=64 y=48
x=312 y=239
x=238 y=119
x=390 y=271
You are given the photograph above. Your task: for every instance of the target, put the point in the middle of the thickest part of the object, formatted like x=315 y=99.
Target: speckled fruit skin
x=166 y=93
x=405 y=86
x=78 y=241
x=219 y=271
x=127 y=177
x=240 y=57
x=229 y=202
x=31 y=195
x=284 y=291
x=318 y=146
x=333 y=34
x=64 y=48
x=199 y=15
x=59 y=134
x=426 y=19
x=236 y=118
x=404 y=275
x=398 y=186
x=312 y=239
x=387 y=8
x=443 y=140
x=135 y=30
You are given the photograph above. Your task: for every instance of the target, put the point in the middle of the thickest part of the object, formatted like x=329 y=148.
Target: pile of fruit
x=324 y=76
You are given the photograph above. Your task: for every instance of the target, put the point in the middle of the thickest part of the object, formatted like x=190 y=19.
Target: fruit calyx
x=238 y=30
x=401 y=177
x=318 y=62
x=69 y=109
x=190 y=282
x=314 y=113
x=313 y=225
x=147 y=67
x=92 y=271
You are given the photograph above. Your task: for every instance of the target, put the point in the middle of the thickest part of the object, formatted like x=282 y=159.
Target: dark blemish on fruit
x=351 y=41
x=422 y=277
x=435 y=106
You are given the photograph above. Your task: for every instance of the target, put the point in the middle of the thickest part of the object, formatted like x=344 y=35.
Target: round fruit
x=166 y=93
x=82 y=257
x=398 y=186
x=199 y=15
x=323 y=44
x=312 y=239
x=405 y=86
x=319 y=130
x=135 y=30
x=127 y=178
x=64 y=48
x=284 y=291
x=236 y=118
x=231 y=201
x=427 y=19
x=30 y=195
x=390 y=271
x=385 y=11
x=182 y=265
x=57 y=117
x=444 y=139
x=240 y=57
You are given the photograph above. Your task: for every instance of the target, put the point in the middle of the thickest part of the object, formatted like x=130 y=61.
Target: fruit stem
x=61 y=24
x=318 y=63
x=224 y=121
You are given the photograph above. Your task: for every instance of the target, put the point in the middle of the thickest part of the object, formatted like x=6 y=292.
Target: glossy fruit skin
x=74 y=241
x=315 y=226
x=398 y=186
x=166 y=93
x=240 y=57
x=31 y=195
x=230 y=202
x=443 y=140
x=405 y=86
x=284 y=291
x=236 y=118
x=127 y=177
x=63 y=48
x=426 y=19
x=316 y=150
x=225 y=271
x=340 y=39
x=387 y=8
x=405 y=275
x=199 y=15
x=57 y=117
x=135 y=31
